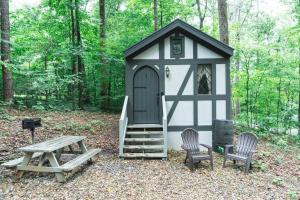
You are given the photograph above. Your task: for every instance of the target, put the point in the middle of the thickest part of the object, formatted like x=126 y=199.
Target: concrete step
x=144 y=126
x=144 y=133
x=144 y=139
x=144 y=155
x=143 y=147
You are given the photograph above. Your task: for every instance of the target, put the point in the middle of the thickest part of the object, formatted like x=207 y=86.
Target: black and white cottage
x=178 y=77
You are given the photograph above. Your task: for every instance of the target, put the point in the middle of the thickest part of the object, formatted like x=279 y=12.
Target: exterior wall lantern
x=167 y=72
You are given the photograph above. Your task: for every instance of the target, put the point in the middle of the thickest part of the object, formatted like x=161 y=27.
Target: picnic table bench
x=52 y=150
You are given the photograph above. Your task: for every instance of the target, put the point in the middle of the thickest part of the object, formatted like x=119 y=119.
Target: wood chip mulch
x=276 y=172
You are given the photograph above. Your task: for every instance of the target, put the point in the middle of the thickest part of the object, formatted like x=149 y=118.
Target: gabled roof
x=183 y=27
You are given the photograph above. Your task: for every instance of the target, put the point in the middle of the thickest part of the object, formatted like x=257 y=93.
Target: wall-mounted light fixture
x=167 y=72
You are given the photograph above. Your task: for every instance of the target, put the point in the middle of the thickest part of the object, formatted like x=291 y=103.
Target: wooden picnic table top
x=52 y=144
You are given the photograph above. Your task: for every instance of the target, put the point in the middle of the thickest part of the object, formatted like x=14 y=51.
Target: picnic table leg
x=84 y=149
x=82 y=146
x=71 y=149
x=26 y=160
x=42 y=160
x=58 y=153
x=53 y=162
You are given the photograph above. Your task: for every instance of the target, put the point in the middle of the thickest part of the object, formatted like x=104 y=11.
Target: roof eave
x=179 y=24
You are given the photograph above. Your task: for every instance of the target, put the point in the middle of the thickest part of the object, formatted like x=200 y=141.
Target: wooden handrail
x=165 y=125
x=164 y=107
x=124 y=109
x=123 y=126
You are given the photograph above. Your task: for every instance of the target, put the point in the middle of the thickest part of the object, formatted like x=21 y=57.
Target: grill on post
x=31 y=124
x=222 y=133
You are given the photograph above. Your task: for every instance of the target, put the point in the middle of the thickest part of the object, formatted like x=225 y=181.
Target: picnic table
x=51 y=150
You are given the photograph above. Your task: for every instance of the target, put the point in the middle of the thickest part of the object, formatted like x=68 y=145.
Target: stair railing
x=165 y=125
x=123 y=126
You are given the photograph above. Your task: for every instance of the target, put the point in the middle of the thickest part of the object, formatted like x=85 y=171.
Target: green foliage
x=264 y=66
x=260 y=165
x=278 y=182
x=5 y=116
x=293 y=194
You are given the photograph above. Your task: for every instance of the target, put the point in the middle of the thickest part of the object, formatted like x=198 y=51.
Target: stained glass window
x=204 y=79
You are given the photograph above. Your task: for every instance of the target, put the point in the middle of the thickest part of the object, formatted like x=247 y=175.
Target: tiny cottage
x=178 y=77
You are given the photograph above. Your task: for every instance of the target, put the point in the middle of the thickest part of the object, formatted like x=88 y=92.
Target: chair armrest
x=184 y=147
x=206 y=145
x=227 y=146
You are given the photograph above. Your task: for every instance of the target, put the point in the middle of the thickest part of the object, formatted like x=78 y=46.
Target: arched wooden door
x=146 y=96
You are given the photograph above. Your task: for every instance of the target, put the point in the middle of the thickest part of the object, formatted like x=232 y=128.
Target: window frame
x=182 y=54
x=211 y=79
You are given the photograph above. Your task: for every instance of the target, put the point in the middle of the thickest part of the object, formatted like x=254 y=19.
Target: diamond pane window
x=204 y=79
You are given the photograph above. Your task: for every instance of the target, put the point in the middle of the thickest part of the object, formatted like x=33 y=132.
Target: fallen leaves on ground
x=275 y=174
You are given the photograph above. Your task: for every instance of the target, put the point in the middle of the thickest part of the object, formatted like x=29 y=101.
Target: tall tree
x=80 y=63
x=201 y=14
x=73 y=55
x=223 y=21
x=104 y=71
x=5 y=51
x=155 y=15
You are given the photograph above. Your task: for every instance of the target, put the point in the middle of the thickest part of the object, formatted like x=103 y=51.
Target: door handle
x=157 y=99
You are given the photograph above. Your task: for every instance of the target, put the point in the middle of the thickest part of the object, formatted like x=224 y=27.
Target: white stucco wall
x=221 y=109
x=175 y=79
x=203 y=52
x=150 y=53
x=220 y=79
x=175 y=141
x=188 y=48
x=205 y=113
x=183 y=114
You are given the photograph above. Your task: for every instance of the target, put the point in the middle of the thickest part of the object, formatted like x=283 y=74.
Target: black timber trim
x=228 y=90
x=180 y=91
x=198 y=128
x=181 y=61
x=161 y=50
x=195 y=97
x=161 y=62
x=179 y=24
x=195 y=56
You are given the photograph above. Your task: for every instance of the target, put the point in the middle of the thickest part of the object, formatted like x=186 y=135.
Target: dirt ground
x=276 y=172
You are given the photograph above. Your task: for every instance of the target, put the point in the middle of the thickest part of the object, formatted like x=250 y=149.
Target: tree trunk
x=247 y=93
x=81 y=70
x=155 y=15
x=278 y=104
x=73 y=56
x=104 y=71
x=46 y=71
x=5 y=51
x=200 y=15
x=299 y=91
x=223 y=21
x=161 y=13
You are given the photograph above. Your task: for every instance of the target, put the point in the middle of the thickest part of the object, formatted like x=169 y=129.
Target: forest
x=68 y=54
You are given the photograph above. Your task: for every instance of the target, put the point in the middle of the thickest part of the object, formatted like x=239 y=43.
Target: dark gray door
x=146 y=96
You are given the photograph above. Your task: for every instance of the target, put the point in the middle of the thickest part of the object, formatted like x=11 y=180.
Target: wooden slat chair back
x=190 y=139
x=246 y=143
x=245 y=148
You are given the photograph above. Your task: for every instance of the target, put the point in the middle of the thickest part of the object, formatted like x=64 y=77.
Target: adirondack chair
x=245 y=148
x=191 y=144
